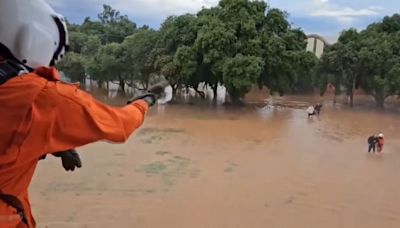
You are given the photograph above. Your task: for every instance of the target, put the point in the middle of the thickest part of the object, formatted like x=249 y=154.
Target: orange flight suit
x=39 y=115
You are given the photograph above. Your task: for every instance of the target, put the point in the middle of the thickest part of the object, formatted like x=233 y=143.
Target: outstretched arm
x=79 y=119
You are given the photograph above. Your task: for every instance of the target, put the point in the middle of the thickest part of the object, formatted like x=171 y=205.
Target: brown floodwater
x=225 y=167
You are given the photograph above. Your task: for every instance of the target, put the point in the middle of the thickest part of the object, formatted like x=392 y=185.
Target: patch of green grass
x=145 y=131
x=147 y=141
x=181 y=158
x=151 y=139
x=230 y=167
x=173 y=130
x=169 y=170
x=169 y=182
x=150 y=191
x=162 y=153
x=228 y=170
x=153 y=135
x=171 y=161
x=154 y=168
x=156 y=137
x=195 y=173
x=150 y=130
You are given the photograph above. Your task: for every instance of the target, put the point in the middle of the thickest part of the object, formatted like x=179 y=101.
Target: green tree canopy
x=369 y=59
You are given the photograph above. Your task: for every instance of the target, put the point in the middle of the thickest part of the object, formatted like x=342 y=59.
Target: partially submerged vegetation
x=237 y=44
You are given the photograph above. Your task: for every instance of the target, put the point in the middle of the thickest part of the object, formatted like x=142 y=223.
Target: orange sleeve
x=79 y=119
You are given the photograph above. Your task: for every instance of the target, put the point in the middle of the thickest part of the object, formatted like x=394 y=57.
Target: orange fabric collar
x=50 y=73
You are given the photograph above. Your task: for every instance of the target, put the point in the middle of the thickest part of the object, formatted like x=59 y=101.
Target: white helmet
x=31 y=33
x=381 y=135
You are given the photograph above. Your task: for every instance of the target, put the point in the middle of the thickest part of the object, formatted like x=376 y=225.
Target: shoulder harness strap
x=10 y=69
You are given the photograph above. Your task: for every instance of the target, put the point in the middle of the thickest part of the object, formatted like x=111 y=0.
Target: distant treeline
x=238 y=44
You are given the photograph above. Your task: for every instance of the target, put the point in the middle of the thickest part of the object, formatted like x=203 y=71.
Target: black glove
x=153 y=94
x=158 y=89
x=70 y=159
x=149 y=98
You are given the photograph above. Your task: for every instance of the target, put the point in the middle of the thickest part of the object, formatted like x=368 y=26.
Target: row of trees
x=369 y=59
x=238 y=44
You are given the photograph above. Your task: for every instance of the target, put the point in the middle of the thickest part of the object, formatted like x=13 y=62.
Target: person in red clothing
x=42 y=115
x=381 y=142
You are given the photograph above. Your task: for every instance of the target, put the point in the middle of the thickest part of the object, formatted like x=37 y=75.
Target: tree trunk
x=353 y=88
x=235 y=97
x=215 y=92
x=122 y=85
x=174 y=90
x=201 y=94
x=380 y=100
x=351 y=99
x=337 y=91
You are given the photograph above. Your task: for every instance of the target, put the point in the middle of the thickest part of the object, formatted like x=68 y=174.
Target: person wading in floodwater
x=380 y=142
x=310 y=111
x=40 y=114
x=372 y=141
x=318 y=108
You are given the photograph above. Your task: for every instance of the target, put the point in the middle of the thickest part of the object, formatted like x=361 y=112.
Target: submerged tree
x=369 y=59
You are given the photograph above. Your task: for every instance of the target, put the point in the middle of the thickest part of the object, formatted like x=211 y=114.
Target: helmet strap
x=10 y=69
x=11 y=60
x=62 y=43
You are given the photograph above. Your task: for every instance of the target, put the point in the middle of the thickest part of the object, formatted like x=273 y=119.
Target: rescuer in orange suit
x=41 y=115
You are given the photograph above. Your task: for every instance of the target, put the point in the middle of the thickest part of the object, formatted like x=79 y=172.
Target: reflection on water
x=253 y=166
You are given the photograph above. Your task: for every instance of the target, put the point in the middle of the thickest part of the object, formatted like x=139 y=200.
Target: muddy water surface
x=206 y=167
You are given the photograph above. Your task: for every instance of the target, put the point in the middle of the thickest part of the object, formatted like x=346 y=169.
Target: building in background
x=316 y=44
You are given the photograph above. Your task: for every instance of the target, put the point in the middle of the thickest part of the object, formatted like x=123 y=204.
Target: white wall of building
x=315 y=45
x=320 y=48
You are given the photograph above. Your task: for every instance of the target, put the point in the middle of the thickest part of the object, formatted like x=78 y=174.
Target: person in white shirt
x=310 y=111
